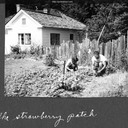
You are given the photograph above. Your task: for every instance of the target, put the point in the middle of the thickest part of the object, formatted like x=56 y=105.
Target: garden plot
x=32 y=78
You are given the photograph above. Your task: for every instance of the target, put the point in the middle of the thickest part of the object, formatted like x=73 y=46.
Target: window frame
x=72 y=35
x=22 y=38
x=23 y=21
x=56 y=39
x=28 y=40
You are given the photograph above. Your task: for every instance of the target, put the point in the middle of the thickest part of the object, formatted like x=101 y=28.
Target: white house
x=28 y=27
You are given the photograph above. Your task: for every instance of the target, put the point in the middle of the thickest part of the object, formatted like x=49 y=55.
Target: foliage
x=123 y=62
x=110 y=69
x=49 y=60
x=48 y=82
x=17 y=53
x=36 y=50
x=15 y=49
x=114 y=15
x=119 y=92
x=75 y=11
x=120 y=61
x=111 y=16
x=22 y=55
x=85 y=57
x=95 y=15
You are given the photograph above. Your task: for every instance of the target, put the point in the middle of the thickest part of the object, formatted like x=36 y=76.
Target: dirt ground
x=32 y=78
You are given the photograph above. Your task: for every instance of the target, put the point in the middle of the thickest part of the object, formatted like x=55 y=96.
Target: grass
x=114 y=85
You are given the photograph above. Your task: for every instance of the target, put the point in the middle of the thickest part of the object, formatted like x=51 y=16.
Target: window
x=55 y=39
x=27 y=38
x=71 y=37
x=23 y=21
x=24 y=38
x=21 y=38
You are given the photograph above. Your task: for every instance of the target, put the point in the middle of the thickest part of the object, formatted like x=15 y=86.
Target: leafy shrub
x=36 y=50
x=49 y=60
x=110 y=69
x=85 y=57
x=124 y=62
x=17 y=53
x=121 y=61
x=21 y=55
x=15 y=49
x=32 y=50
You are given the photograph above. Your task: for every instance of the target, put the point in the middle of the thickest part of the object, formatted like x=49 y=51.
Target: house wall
x=64 y=35
x=11 y=37
x=39 y=35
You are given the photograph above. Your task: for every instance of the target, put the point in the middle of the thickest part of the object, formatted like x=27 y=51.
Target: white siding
x=11 y=38
x=39 y=36
x=64 y=35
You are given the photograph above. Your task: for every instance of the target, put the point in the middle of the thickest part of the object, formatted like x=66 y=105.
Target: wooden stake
x=100 y=35
x=64 y=72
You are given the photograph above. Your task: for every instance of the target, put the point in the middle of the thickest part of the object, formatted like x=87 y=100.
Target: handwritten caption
x=58 y=119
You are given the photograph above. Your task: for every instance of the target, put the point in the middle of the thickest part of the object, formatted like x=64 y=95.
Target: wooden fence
x=111 y=49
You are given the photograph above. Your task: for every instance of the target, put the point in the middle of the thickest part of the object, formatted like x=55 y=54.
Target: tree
x=113 y=16
x=79 y=11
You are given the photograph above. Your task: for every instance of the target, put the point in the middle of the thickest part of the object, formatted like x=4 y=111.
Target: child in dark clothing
x=71 y=64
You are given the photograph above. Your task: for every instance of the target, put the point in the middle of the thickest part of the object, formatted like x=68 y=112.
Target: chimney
x=18 y=7
x=45 y=10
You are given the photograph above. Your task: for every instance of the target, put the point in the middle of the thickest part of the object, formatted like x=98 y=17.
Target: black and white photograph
x=66 y=48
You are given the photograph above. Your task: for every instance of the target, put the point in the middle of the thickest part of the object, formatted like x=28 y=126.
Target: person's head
x=97 y=54
x=74 y=60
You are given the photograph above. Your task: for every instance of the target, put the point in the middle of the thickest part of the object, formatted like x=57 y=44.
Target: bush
x=15 y=49
x=85 y=57
x=110 y=69
x=121 y=61
x=32 y=50
x=124 y=62
x=49 y=60
x=21 y=55
x=36 y=50
x=17 y=53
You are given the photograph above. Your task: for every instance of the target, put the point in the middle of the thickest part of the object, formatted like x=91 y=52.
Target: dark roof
x=55 y=21
x=8 y=18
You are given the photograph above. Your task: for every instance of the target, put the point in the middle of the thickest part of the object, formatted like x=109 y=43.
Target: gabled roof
x=8 y=18
x=55 y=21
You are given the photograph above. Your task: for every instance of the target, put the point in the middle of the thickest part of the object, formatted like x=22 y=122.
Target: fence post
x=106 y=50
x=127 y=39
x=48 y=50
x=116 y=52
x=113 y=52
x=94 y=43
x=102 y=50
x=109 y=50
x=123 y=44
